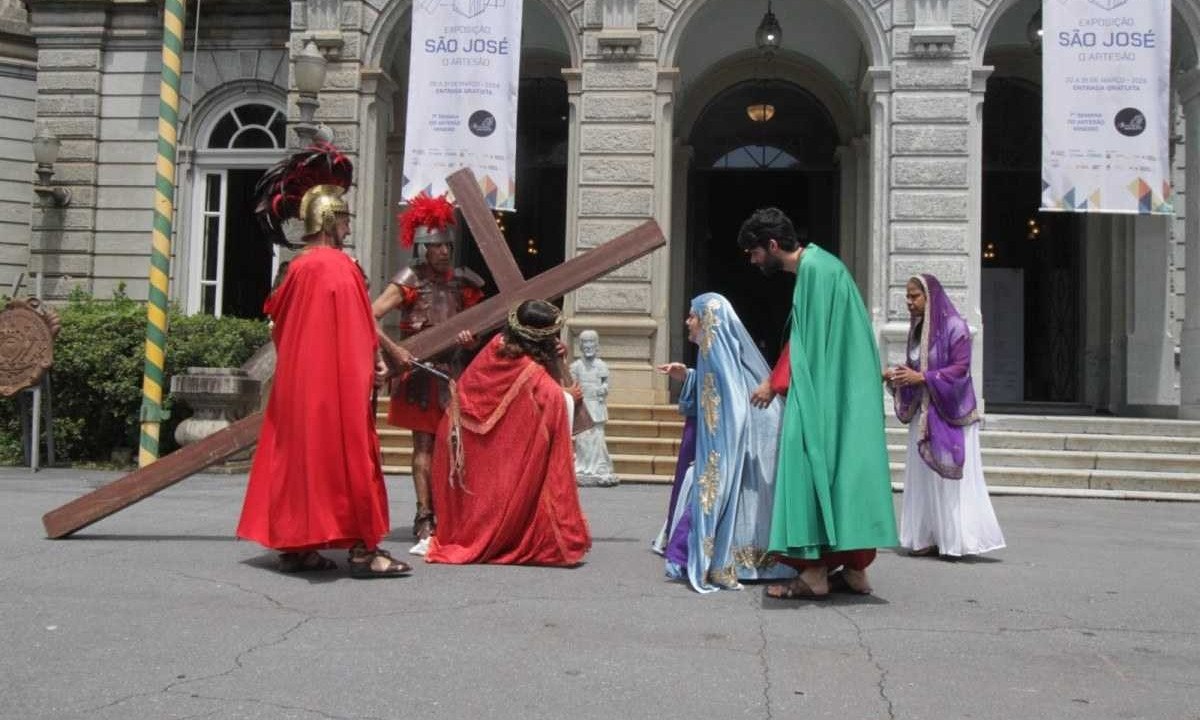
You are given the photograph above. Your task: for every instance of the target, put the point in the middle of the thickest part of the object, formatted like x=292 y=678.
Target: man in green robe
x=833 y=493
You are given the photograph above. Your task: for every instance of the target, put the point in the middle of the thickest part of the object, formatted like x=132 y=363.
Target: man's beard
x=770 y=265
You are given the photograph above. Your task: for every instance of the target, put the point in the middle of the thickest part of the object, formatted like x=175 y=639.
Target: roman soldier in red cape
x=427 y=293
x=316 y=481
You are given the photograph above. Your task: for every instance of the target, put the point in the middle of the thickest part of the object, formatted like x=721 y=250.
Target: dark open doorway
x=1032 y=265
x=742 y=165
x=536 y=232
x=248 y=253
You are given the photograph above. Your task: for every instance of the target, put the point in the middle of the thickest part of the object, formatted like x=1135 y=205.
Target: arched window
x=762 y=157
x=230 y=263
x=252 y=126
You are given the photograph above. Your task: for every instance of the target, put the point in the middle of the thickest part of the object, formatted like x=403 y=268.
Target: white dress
x=954 y=515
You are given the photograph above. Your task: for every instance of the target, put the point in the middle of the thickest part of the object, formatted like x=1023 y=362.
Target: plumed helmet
x=308 y=185
x=427 y=220
x=320 y=207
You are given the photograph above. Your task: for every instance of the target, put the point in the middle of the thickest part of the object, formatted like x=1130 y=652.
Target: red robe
x=520 y=505
x=316 y=481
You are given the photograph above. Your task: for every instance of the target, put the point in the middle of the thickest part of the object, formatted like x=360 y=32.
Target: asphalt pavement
x=158 y=612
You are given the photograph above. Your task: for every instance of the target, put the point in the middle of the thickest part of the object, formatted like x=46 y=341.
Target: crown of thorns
x=535 y=334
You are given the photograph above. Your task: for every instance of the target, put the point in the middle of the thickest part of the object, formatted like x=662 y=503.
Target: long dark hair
x=533 y=315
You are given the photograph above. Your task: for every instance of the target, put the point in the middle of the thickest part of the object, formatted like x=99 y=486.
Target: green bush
x=98 y=365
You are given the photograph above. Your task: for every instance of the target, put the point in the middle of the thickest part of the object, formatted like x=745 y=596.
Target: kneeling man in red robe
x=503 y=462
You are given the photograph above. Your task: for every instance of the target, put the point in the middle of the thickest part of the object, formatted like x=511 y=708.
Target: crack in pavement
x=237 y=659
x=1050 y=628
x=249 y=591
x=766 y=667
x=862 y=643
x=237 y=665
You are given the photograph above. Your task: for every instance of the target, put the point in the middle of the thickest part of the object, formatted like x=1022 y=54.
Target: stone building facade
x=903 y=135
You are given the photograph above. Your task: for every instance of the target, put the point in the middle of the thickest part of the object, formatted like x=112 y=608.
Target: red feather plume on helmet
x=435 y=213
x=284 y=185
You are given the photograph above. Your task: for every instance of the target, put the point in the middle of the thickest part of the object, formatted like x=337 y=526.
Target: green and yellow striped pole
x=164 y=211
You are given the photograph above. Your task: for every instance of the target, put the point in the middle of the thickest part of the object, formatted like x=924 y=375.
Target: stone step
x=1083 y=479
x=1005 y=439
x=395 y=439
x=1065 y=460
x=625 y=411
x=643 y=465
x=1094 y=425
x=644 y=428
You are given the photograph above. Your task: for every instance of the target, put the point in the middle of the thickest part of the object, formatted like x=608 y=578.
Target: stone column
x=70 y=40
x=974 y=305
x=678 y=278
x=1150 y=350
x=880 y=93
x=847 y=185
x=342 y=108
x=373 y=206
x=623 y=180
x=1188 y=87
x=18 y=90
x=930 y=192
x=862 y=212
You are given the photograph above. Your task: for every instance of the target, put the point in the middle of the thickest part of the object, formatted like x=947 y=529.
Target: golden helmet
x=320 y=207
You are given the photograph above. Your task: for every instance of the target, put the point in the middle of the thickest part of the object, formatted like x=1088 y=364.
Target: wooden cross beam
x=505 y=271
x=487 y=315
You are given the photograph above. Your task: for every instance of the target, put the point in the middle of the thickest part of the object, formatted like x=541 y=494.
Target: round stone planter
x=217 y=397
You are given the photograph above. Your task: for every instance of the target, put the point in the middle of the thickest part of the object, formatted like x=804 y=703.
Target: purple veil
x=947 y=399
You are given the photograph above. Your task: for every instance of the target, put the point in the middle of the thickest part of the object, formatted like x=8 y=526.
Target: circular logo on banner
x=1130 y=122
x=482 y=123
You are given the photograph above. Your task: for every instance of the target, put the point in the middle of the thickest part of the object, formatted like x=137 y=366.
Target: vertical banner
x=1105 y=106
x=462 y=96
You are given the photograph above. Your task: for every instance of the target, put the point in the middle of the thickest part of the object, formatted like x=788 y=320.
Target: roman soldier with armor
x=427 y=293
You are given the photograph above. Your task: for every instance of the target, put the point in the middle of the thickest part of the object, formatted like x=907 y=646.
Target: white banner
x=1105 y=106
x=462 y=96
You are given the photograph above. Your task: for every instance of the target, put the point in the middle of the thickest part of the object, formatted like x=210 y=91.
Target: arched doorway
x=741 y=164
x=536 y=232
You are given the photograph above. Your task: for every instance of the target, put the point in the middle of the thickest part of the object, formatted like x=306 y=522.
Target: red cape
x=316 y=480
x=520 y=505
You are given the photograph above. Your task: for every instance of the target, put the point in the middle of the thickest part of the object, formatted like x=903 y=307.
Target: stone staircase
x=1081 y=453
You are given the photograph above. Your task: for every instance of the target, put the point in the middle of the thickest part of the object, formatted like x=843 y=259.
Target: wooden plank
x=488 y=237
x=144 y=482
x=555 y=282
x=488 y=315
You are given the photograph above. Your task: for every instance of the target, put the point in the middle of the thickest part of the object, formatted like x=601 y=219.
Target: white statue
x=593 y=466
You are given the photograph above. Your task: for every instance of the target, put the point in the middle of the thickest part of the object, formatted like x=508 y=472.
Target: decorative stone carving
x=13 y=11
x=27 y=331
x=217 y=397
x=619 y=38
x=324 y=21
x=593 y=465
x=932 y=35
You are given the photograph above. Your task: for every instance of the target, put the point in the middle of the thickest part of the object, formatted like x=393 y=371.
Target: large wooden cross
x=487 y=315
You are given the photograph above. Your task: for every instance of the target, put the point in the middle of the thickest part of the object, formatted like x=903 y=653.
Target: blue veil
x=725 y=501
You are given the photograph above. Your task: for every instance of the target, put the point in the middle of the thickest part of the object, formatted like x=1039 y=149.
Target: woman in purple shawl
x=946 y=509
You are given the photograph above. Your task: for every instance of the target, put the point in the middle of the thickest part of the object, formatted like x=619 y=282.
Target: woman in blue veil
x=719 y=521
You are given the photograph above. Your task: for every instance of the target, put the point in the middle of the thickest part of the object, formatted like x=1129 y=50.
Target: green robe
x=833 y=487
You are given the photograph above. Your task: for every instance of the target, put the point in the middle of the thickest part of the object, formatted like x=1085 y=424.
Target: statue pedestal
x=217 y=397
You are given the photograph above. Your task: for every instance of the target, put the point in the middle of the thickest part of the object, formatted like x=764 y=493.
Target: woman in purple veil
x=946 y=509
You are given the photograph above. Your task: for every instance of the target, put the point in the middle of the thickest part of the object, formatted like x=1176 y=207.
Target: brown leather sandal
x=424 y=524
x=362 y=564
